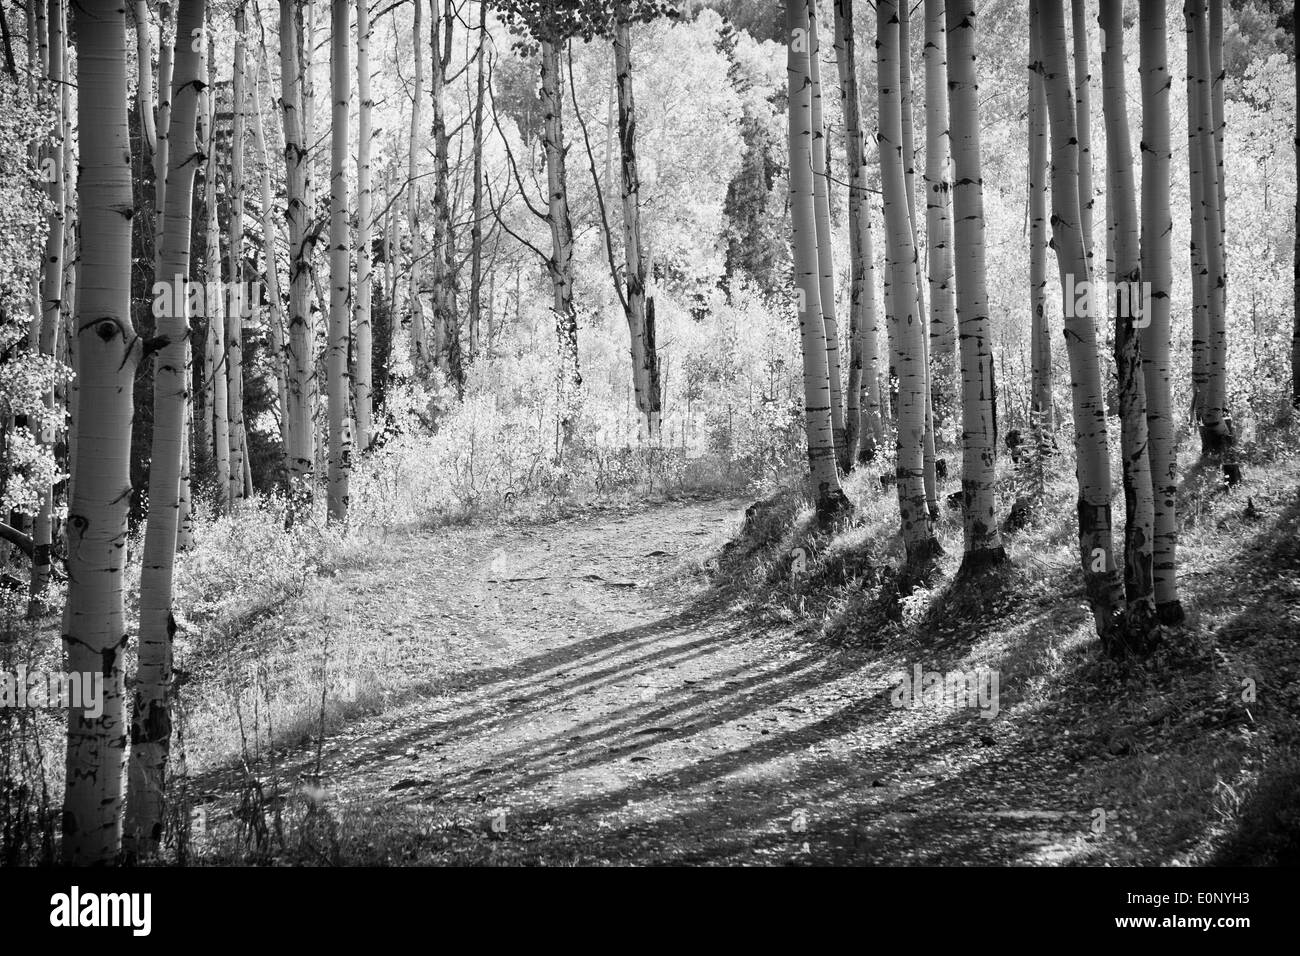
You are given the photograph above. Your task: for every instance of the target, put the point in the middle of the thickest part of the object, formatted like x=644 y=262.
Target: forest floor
x=619 y=687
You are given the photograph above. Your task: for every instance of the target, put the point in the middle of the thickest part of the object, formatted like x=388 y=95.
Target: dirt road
x=598 y=702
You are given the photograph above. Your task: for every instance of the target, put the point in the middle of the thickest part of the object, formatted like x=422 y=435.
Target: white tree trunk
x=1042 y=408
x=239 y=306
x=339 y=391
x=1091 y=441
x=983 y=543
x=830 y=498
x=825 y=256
x=297 y=425
x=362 y=382
x=270 y=265
x=51 y=294
x=1157 y=227
x=214 y=297
x=863 y=427
x=911 y=333
x=561 y=262
x=1139 y=509
x=645 y=360
x=420 y=352
x=151 y=711
x=107 y=354
x=1216 y=434
x=938 y=217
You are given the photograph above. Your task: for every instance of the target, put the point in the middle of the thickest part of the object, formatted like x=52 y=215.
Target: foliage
x=26 y=466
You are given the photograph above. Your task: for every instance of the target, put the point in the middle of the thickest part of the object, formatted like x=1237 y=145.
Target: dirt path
x=600 y=703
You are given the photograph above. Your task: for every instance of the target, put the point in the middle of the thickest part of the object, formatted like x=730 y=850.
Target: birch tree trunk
x=1157 y=227
x=1295 y=319
x=863 y=427
x=144 y=74
x=238 y=304
x=362 y=380
x=340 y=446
x=913 y=384
x=1091 y=441
x=214 y=297
x=1216 y=432
x=1083 y=121
x=830 y=499
x=446 y=317
x=1128 y=314
x=1042 y=406
x=270 y=235
x=909 y=171
x=161 y=159
x=151 y=723
x=51 y=296
x=299 y=454
x=645 y=359
x=38 y=38
x=185 y=530
x=107 y=353
x=71 y=263
x=160 y=154
x=1220 y=123
x=420 y=355
x=305 y=13
x=825 y=256
x=1196 y=211
x=938 y=216
x=476 y=203
x=561 y=263
x=983 y=544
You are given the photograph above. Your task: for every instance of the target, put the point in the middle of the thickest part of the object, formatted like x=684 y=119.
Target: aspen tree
x=476 y=203
x=143 y=74
x=297 y=425
x=107 y=353
x=340 y=450
x=913 y=385
x=863 y=427
x=237 y=304
x=1216 y=432
x=217 y=354
x=830 y=499
x=67 y=306
x=270 y=235
x=1128 y=305
x=420 y=356
x=1042 y=407
x=362 y=381
x=645 y=360
x=1295 y=250
x=1083 y=120
x=161 y=127
x=446 y=319
x=561 y=261
x=983 y=543
x=50 y=296
x=1217 y=114
x=1196 y=214
x=305 y=13
x=151 y=723
x=825 y=256
x=938 y=215
x=1091 y=441
x=185 y=528
x=909 y=171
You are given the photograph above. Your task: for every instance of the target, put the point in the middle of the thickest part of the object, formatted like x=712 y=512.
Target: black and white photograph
x=657 y=434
